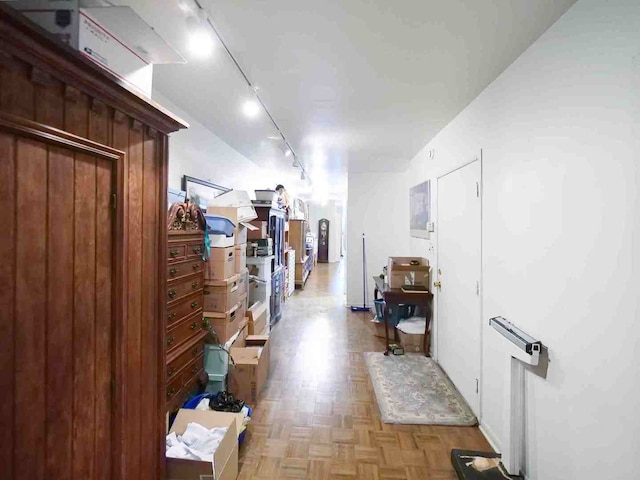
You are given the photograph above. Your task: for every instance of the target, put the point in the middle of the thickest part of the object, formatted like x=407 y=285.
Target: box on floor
x=412 y=343
x=224 y=462
x=248 y=375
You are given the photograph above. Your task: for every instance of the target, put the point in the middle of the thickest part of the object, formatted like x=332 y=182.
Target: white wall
x=199 y=153
x=377 y=206
x=560 y=133
x=331 y=212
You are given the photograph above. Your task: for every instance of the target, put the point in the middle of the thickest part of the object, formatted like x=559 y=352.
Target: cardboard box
x=243 y=282
x=221 y=264
x=262 y=230
x=249 y=374
x=241 y=258
x=224 y=464
x=378 y=330
x=257 y=315
x=221 y=295
x=239 y=217
x=226 y=324
x=116 y=38
x=412 y=343
x=221 y=241
x=400 y=271
x=239 y=342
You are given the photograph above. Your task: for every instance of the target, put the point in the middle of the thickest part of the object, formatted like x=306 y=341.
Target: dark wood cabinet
x=83 y=177
x=185 y=299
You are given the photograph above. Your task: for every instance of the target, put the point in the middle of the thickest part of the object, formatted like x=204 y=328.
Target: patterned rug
x=412 y=389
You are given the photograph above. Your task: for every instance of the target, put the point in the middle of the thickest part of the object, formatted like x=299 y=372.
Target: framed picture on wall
x=420 y=209
x=200 y=192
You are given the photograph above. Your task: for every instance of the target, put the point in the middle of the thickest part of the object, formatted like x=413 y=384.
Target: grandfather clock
x=323 y=241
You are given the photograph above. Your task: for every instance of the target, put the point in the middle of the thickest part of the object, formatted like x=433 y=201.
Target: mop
x=364 y=307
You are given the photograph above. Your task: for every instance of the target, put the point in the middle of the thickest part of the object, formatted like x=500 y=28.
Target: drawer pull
x=195 y=285
x=194 y=304
x=174 y=253
x=172 y=293
x=171 y=392
x=173 y=272
x=172 y=315
x=194 y=325
x=171 y=371
x=197 y=249
x=196 y=266
x=194 y=369
x=170 y=340
x=195 y=351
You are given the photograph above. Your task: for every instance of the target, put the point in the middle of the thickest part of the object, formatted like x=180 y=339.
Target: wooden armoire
x=83 y=181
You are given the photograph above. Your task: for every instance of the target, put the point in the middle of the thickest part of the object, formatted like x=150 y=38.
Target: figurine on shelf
x=283 y=198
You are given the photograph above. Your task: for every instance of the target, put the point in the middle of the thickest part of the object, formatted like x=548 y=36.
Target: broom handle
x=364 y=276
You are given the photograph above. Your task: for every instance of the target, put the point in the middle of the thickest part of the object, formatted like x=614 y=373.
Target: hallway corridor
x=318 y=418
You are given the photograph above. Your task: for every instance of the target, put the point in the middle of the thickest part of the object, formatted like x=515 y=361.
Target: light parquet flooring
x=318 y=418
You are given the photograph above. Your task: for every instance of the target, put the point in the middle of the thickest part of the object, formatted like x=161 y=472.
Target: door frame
x=477 y=158
x=53 y=136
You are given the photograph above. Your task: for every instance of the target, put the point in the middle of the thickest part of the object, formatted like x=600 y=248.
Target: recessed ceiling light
x=251 y=108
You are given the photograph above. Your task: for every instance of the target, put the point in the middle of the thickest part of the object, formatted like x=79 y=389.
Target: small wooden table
x=395 y=296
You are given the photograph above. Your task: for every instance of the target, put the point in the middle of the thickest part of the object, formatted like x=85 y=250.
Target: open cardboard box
x=249 y=373
x=401 y=272
x=257 y=318
x=224 y=464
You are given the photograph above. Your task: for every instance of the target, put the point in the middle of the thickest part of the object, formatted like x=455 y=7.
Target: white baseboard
x=490 y=436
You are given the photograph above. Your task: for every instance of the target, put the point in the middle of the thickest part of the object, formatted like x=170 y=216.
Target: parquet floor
x=318 y=418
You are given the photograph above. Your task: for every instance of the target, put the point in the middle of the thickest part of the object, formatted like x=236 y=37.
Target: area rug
x=412 y=389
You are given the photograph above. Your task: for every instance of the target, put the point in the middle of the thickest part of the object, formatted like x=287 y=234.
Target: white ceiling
x=358 y=85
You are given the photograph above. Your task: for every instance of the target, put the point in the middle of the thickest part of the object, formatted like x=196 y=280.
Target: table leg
x=386 y=330
x=427 y=318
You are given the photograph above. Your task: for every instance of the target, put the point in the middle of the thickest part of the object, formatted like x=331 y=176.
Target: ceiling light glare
x=200 y=42
x=251 y=108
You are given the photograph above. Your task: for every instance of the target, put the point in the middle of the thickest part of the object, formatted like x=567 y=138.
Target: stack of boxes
x=226 y=305
x=226 y=278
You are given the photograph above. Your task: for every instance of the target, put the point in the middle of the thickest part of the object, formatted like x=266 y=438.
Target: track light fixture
x=302 y=176
x=252 y=106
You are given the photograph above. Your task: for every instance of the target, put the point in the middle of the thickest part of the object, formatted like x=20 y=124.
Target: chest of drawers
x=184 y=299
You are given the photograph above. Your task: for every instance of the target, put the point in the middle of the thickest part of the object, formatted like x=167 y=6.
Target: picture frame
x=199 y=191
x=420 y=209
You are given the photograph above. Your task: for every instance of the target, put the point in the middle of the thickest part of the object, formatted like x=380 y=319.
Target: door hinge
x=477 y=288
x=114 y=201
x=477 y=386
x=478 y=189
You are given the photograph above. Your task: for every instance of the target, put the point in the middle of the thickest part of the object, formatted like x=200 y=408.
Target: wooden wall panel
x=84 y=311
x=134 y=309
x=49 y=94
x=69 y=247
x=59 y=326
x=150 y=316
x=17 y=95
x=105 y=329
x=7 y=294
x=30 y=310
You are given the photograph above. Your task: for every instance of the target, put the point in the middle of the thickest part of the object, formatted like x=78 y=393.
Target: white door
x=459 y=267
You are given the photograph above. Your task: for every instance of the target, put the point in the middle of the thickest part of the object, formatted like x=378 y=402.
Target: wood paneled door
x=83 y=182
x=58 y=244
